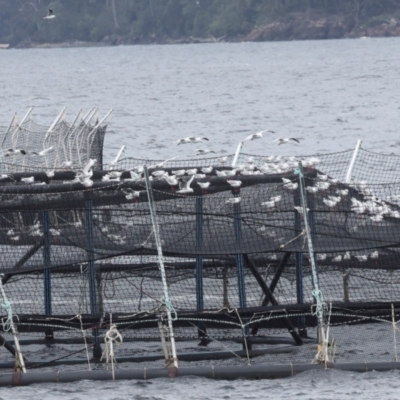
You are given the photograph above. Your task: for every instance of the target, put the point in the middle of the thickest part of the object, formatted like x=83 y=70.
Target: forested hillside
x=147 y=21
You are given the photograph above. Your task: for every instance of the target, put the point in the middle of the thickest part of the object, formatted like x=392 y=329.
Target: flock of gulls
x=182 y=180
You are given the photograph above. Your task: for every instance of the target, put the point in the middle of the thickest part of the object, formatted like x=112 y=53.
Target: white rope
x=112 y=337
x=394 y=333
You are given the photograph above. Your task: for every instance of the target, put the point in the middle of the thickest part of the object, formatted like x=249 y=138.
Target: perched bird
x=312 y=189
x=230 y=172
x=285 y=140
x=171 y=179
x=179 y=172
x=362 y=258
x=220 y=173
x=192 y=171
x=377 y=218
x=14 y=152
x=277 y=199
x=321 y=257
x=207 y=170
x=268 y=204
x=29 y=179
x=43 y=152
x=130 y=193
x=322 y=185
x=347 y=256
x=223 y=160
x=375 y=254
x=199 y=176
x=234 y=200
x=300 y=209
x=337 y=258
x=204 y=185
x=203 y=152
x=6 y=176
x=257 y=135
x=50 y=174
x=67 y=164
x=159 y=173
x=235 y=184
x=322 y=177
x=184 y=185
x=343 y=192
x=289 y=184
x=330 y=203
x=50 y=14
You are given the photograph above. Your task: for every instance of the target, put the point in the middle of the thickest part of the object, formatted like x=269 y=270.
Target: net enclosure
x=151 y=263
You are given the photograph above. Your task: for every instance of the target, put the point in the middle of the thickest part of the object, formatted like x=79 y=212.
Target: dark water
x=330 y=93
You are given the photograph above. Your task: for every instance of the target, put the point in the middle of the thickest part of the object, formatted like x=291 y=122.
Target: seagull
x=29 y=179
x=289 y=184
x=204 y=185
x=223 y=160
x=202 y=152
x=220 y=173
x=234 y=200
x=257 y=135
x=43 y=152
x=171 y=179
x=285 y=140
x=192 y=171
x=6 y=176
x=50 y=174
x=159 y=173
x=67 y=164
x=337 y=258
x=89 y=166
x=50 y=14
x=330 y=203
x=347 y=256
x=322 y=177
x=362 y=258
x=277 y=199
x=179 y=172
x=300 y=210
x=235 y=184
x=130 y=193
x=375 y=254
x=207 y=170
x=184 y=186
x=197 y=139
x=343 y=192
x=268 y=204
x=13 y=152
x=377 y=218
x=312 y=189
x=183 y=141
x=321 y=257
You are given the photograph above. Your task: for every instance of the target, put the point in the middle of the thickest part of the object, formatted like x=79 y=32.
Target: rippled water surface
x=330 y=93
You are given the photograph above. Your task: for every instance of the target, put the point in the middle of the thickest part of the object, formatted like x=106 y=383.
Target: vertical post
x=92 y=274
x=352 y=162
x=240 y=261
x=299 y=267
x=166 y=300
x=238 y=150
x=199 y=268
x=322 y=353
x=46 y=272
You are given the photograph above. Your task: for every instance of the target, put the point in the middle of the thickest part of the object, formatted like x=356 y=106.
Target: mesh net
x=71 y=145
x=77 y=260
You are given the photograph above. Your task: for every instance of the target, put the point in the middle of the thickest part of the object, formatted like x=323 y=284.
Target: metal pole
x=320 y=311
x=9 y=323
x=199 y=257
x=46 y=272
x=352 y=162
x=238 y=149
x=240 y=261
x=92 y=274
x=167 y=300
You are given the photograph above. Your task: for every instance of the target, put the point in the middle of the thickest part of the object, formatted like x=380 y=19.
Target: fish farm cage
x=242 y=266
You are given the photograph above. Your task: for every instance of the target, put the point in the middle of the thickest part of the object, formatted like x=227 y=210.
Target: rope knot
x=7 y=322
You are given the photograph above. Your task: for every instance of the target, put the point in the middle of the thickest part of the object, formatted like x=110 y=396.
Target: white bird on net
x=50 y=14
x=159 y=173
x=223 y=160
x=234 y=200
x=171 y=179
x=257 y=135
x=377 y=218
x=322 y=185
x=321 y=257
x=183 y=141
x=191 y=172
x=343 y=192
x=347 y=256
x=204 y=185
x=268 y=204
x=276 y=199
x=334 y=198
x=374 y=255
x=179 y=172
x=362 y=258
x=330 y=203
x=289 y=184
x=67 y=164
x=184 y=186
x=322 y=177
x=235 y=184
x=43 y=152
x=199 y=176
x=6 y=176
x=337 y=258
x=207 y=170
x=130 y=193
x=312 y=189
x=221 y=174
x=50 y=174
x=29 y=179
x=285 y=140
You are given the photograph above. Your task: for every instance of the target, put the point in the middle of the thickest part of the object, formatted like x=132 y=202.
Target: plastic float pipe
x=228 y=373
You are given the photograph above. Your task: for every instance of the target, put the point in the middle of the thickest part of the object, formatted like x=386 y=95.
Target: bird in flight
x=43 y=152
x=202 y=152
x=50 y=14
x=286 y=140
x=257 y=135
x=12 y=152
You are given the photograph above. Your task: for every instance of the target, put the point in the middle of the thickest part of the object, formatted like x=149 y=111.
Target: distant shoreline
x=296 y=26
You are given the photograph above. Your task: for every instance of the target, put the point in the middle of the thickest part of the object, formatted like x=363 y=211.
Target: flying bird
x=13 y=152
x=257 y=135
x=197 y=139
x=184 y=186
x=202 y=152
x=50 y=14
x=43 y=152
x=285 y=140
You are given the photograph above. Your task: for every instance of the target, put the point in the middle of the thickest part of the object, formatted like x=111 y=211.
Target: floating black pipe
x=212 y=372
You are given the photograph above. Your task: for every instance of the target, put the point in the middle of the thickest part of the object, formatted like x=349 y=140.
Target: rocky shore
x=296 y=26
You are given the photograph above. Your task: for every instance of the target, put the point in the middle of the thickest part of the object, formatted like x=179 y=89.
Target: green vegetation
x=144 y=21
